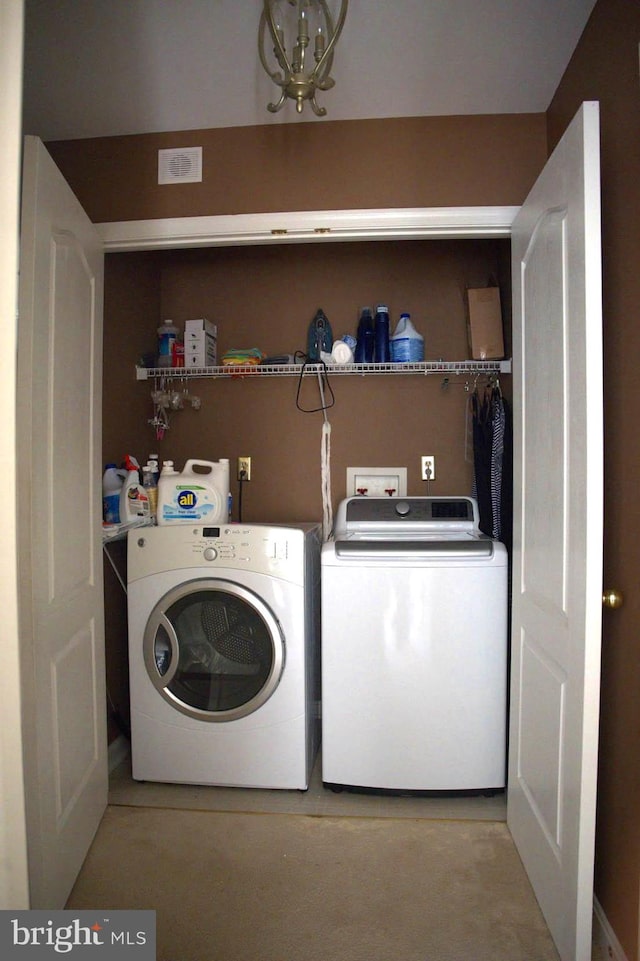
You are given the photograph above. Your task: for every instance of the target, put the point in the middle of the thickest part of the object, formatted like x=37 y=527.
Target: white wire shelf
x=294 y=370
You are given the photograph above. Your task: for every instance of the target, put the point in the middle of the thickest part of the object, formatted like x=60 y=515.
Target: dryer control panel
x=264 y=549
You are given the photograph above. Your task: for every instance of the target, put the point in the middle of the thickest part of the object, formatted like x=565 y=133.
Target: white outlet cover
x=377 y=481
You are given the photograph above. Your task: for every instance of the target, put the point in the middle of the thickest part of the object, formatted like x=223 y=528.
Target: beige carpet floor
x=233 y=886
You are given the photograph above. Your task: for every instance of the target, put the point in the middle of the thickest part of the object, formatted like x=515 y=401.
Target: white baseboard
x=604 y=935
x=118 y=751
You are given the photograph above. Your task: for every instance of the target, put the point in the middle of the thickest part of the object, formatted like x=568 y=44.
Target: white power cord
x=325 y=469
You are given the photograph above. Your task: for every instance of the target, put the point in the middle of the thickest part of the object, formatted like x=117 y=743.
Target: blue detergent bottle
x=364 y=343
x=406 y=344
x=112 y=481
x=382 y=351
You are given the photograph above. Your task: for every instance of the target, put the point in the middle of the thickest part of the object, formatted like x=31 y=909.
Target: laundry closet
x=264 y=296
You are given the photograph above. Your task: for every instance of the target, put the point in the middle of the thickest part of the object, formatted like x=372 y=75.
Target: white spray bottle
x=134 y=502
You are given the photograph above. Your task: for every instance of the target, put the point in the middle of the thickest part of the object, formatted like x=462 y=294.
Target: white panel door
x=59 y=510
x=558 y=514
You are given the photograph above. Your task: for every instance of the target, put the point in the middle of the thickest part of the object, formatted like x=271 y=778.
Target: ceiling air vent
x=180 y=165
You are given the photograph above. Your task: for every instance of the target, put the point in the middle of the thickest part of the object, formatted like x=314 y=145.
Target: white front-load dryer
x=224 y=654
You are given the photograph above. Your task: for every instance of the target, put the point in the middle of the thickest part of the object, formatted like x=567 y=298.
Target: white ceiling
x=97 y=68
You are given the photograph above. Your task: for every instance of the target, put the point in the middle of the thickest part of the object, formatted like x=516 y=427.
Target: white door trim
x=312 y=226
x=14 y=881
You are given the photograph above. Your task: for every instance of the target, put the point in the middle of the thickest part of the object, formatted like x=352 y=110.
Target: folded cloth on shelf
x=240 y=357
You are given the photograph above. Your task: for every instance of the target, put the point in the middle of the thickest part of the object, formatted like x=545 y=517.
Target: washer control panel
x=390 y=514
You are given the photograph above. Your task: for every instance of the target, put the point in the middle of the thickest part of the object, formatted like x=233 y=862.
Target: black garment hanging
x=482 y=460
x=492 y=462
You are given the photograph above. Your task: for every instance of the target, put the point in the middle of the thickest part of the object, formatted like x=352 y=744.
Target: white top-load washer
x=224 y=632
x=414 y=647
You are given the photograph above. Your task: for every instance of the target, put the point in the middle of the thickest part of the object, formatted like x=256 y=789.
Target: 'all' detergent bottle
x=198 y=495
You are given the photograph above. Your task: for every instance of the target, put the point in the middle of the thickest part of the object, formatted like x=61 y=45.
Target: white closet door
x=558 y=516
x=59 y=501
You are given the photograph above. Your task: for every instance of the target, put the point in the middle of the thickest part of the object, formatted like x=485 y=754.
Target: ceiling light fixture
x=297 y=25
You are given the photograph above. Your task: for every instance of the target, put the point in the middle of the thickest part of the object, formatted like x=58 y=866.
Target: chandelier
x=306 y=29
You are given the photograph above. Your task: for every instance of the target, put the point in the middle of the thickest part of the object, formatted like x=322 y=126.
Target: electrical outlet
x=244 y=468
x=428 y=467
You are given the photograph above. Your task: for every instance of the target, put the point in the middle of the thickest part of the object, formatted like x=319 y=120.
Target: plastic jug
x=197 y=495
x=112 y=480
x=167 y=334
x=406 y=344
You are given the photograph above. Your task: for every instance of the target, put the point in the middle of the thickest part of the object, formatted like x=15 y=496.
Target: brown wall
x=605 y=68
x=329 y=165
x=132 y=299
x=265 y=297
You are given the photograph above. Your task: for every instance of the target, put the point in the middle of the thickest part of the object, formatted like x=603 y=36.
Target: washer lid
x=390 y=546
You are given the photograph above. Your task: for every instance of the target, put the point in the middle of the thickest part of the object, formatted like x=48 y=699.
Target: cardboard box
x=484 y=323
x=200 y=343
x=203 y=355
x=198 y=359
x=200 y=354
x=192 y=328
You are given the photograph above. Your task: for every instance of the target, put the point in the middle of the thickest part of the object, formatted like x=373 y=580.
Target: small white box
x=194 y=328
x=200 y=343
x=205 y=351
x=198 y=359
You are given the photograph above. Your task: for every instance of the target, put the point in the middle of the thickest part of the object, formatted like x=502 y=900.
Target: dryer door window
x=214 y=650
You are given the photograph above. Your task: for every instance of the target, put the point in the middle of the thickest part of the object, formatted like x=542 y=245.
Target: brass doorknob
x=612 y=599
